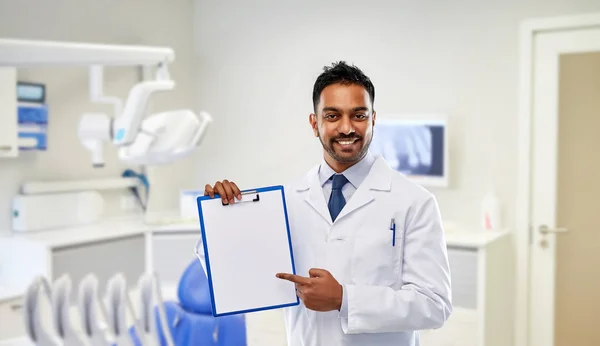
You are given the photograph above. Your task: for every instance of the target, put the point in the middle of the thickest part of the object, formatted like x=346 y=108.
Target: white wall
x=257 y=61
x=154 y=22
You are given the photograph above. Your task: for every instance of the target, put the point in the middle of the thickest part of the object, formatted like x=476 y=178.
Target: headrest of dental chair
x=193 y=290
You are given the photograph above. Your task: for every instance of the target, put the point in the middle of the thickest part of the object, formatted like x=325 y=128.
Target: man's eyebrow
x=355 y=109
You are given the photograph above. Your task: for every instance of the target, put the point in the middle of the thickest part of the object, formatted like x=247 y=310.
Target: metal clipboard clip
x=247 y=199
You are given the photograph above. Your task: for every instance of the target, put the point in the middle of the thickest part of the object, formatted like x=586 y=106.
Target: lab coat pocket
x=377 y=256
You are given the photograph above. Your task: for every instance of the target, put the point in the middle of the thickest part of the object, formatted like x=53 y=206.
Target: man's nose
x=345 y=126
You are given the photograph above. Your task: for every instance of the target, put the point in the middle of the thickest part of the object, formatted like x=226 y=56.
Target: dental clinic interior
x=115 y=115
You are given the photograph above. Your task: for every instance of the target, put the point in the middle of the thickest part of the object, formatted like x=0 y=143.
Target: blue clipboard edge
x=199 y=200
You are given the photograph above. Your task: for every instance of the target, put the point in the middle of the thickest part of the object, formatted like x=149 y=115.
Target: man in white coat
x=368 y=244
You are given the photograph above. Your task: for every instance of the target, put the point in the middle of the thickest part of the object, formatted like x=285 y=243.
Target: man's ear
x=312 y=119
x=374 y=117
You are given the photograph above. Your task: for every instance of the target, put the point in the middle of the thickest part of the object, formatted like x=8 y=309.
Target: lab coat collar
x=378 y=179
x=356 y=174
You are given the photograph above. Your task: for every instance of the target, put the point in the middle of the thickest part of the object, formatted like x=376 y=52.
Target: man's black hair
x=341 y=73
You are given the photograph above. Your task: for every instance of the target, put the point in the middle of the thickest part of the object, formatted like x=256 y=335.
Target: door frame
x=528 y=30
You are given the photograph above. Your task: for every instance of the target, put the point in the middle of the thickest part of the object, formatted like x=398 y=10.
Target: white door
x=564 y=283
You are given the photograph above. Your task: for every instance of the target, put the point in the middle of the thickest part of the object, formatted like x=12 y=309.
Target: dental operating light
x=142 y=139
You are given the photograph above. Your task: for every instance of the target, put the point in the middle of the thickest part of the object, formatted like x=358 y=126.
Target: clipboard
x=245 y=244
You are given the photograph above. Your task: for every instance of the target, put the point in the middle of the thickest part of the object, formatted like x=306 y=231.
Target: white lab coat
x=392 y=291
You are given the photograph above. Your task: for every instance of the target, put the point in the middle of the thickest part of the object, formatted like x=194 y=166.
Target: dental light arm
x=127 y=126
x=32 y=53
x=141 y=139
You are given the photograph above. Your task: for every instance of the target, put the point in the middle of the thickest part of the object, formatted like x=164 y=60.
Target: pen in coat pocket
x=393 y=229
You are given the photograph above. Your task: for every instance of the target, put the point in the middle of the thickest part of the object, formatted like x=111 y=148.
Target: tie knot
x=339 y=180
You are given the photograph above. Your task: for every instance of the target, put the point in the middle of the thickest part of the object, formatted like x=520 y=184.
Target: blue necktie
x=337 y=200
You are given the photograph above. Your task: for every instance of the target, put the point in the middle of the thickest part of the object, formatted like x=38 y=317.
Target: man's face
x=344 y=122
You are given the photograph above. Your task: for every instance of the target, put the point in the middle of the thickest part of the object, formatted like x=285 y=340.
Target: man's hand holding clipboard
x=228 y=191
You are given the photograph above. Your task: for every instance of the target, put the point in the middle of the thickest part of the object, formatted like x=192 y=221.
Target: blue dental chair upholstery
x=191 y=320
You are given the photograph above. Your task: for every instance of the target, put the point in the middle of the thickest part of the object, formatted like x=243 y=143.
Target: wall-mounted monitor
x=31 y=92
x=414 y=146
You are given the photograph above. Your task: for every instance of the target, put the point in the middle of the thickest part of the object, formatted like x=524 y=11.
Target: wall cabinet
x=8 y=113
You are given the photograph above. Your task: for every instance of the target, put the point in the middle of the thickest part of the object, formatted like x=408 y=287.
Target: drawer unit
x=11 y=318
x=482 y=293
x=102 y=258
x=463 y=269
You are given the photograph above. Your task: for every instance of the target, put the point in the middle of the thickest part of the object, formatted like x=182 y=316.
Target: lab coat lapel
x=379 y=178
x=361 y=197
x=315 y=196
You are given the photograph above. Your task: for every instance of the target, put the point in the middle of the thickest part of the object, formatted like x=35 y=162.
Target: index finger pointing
x=294 y=278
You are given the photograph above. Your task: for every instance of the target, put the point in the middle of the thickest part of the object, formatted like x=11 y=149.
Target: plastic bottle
x=490 y=212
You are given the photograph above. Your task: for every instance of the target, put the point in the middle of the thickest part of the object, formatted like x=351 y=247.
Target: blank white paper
x=248 y=243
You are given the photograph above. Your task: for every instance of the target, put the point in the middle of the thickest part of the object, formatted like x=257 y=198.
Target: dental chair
x=188 y=321
x=191 y=321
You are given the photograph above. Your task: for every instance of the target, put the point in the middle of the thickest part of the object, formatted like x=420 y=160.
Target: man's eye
x=360 y=116
x=330 y=116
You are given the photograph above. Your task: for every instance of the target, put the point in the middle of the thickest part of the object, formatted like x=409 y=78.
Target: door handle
x=5 y=148
x=547 y=230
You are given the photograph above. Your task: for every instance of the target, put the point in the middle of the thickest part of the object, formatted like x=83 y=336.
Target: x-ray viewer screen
x=415 y=149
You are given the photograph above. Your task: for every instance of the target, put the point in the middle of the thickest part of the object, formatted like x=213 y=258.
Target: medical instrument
x=37 y=330
x=61 y=304
x=118 y=304
x=151 y=297
x=393 y=229
x=141 y=190
x=156 y=139
x=94 y=328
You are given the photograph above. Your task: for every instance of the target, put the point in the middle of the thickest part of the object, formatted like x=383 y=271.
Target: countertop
x=37 y=244
x=109 y=229
x=132 y=226
x=471 y=239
